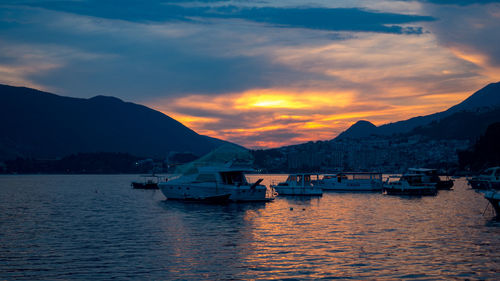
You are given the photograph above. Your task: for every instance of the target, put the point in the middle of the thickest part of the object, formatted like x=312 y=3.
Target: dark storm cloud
x=257 y=73
x=170 y=73
x=130 y=59
x=332 y=19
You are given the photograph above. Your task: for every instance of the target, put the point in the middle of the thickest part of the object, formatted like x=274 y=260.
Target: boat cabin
x=358 y=176
x=226 y=176
x=414 y=179
x=300 y=180
x=430 y=174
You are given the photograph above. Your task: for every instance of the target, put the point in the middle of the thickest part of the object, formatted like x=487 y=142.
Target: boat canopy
x=421 y=170
x=227 y=157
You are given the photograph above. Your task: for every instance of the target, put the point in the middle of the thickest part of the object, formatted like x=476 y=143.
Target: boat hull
x=141 y=185
x=444 y=184
x=494 y=198
x=479 y=184
x=202 y=191
x=297 y=190
x=191 y=192
x=248 y=194
x=359 y=186
x=404 y=188
x=416 y=191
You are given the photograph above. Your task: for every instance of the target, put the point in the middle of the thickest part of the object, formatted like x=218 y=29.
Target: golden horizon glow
x=293 y=113
x=290 y=99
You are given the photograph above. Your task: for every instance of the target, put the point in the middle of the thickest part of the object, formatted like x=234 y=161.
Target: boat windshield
x=236 y=177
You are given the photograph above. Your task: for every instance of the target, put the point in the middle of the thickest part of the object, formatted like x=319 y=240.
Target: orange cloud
x=479 y=59
x=381 y=78
x=264 y=118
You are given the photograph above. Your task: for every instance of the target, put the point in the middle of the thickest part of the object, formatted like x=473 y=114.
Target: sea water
x=97 y=227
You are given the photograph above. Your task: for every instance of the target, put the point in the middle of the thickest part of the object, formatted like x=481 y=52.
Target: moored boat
x=409 y=184
x=218 y=174
x=488 y=179
x=298 y=184
x=351 y=182
x=215 y=182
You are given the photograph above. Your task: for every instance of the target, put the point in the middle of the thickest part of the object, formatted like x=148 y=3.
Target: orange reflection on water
x=366 y=236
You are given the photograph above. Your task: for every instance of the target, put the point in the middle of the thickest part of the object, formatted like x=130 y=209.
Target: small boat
x=488 y=179
x=494 y=197
x=351 y=182
x=216 y=182
x=431 y=176
x=298 y=184
x=150 y=182
x=409 y=184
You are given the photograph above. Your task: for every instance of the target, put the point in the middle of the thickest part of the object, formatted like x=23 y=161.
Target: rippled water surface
x=97 y=227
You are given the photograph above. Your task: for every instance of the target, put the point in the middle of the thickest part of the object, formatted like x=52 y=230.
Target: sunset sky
x=258 y=73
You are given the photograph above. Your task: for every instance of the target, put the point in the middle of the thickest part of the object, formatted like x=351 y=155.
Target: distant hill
x=43 y=125
x=460 y=125
x=360 y=129
x=486 y=99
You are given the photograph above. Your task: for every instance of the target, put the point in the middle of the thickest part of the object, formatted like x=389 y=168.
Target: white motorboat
x=216 y=183
x=217 y=176
x=409 y=184
x=298 y=184
x=351 y=182
x=489 y=178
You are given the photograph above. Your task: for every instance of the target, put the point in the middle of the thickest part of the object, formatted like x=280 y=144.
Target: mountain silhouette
x=43 y=125
x=360 y=129
x=486 y=99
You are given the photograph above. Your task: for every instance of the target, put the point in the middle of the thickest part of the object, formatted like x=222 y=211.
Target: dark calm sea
x=97 y=227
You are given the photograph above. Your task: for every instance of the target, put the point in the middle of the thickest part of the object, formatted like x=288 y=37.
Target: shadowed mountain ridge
x=486 y=99
x=44 y=125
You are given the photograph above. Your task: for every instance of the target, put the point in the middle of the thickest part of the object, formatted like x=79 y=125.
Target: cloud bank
x=261 y=74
